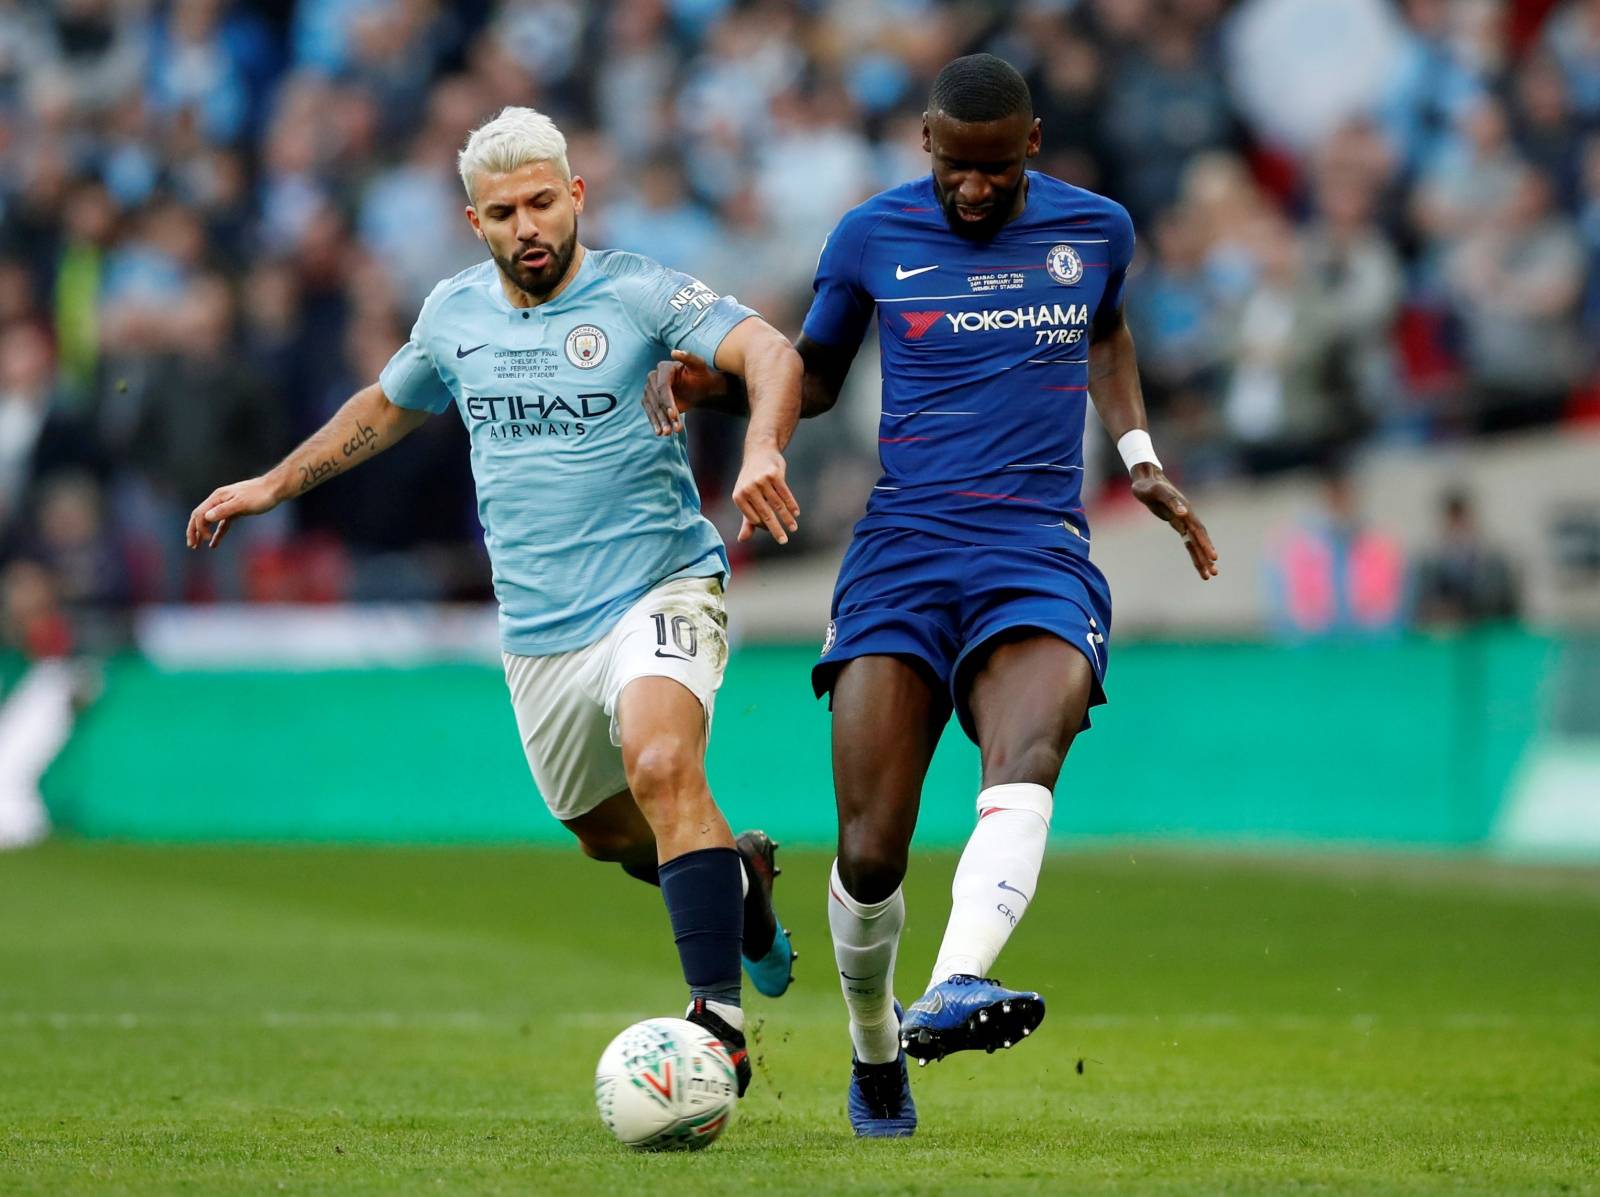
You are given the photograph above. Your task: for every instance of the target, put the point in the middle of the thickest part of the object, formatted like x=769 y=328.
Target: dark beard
x=539 y=283
x=978 y=230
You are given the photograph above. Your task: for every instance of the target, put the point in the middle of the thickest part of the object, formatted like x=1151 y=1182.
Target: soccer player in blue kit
x=967 y=586
x=609 y=578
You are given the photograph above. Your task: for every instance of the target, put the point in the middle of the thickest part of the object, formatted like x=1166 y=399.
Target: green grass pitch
x=340 y=1021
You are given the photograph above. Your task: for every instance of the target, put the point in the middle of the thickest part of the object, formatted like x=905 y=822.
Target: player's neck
x=523 y=299
x=1020 y=204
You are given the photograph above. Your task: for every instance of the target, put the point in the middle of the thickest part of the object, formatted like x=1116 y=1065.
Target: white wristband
x=1136 y=449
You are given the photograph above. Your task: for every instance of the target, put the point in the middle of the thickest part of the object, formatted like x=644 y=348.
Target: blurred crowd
x=1361 y=221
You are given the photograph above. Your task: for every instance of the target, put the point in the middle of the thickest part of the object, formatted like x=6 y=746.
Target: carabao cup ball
x=666 y=1085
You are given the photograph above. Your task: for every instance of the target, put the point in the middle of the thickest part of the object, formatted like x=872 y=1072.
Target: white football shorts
x=566 y=704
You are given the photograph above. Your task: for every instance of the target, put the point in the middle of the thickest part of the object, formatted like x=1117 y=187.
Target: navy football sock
x=703 y=894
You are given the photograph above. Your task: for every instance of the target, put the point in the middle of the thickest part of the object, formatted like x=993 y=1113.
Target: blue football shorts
x=913 y=593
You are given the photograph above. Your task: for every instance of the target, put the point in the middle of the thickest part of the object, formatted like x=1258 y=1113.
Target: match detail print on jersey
x=985 y=362
x=583 y=510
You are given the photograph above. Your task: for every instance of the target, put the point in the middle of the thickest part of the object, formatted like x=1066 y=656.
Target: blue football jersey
x=584 y=509
x=985 y=349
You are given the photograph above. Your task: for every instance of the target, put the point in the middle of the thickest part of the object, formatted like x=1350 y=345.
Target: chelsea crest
x=1064 y=264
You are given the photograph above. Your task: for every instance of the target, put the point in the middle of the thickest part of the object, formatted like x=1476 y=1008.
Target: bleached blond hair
x=511 y=140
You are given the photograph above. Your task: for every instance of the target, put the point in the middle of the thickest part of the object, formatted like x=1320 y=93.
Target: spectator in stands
x=1165 y=104
x=1589 y=231
x=1572 y=36
x=1467 y=183
x=1432 y=89
x=661 y=219
x=40 y=434
x=1547 y=133
x=1349 y=296
x=1332 y=575
x=1518 y=279
x=1464 y=578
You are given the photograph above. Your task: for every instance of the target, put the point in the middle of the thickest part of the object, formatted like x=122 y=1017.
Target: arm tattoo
x=312 y=474
x=365 y=437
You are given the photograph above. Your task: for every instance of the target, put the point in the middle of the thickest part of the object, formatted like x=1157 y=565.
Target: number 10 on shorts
x=684 y=635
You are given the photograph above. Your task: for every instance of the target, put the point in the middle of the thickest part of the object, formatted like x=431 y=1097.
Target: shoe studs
x=983 y=1015
x=1007 y=1043
x=1005 y=1007
x=1027 y=1030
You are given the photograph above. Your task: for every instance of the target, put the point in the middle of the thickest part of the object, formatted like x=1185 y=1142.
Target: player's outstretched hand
x=209 y=522
x=674 y=387
x=1151 y=487
x=763 y=497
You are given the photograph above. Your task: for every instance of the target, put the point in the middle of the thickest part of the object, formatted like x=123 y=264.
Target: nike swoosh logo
x=848 y=977
x=460 y=352
x=670 y=656
x=901 y=273
x=1014 y=890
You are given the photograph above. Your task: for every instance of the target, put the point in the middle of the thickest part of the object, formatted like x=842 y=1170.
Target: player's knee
x=1035 y=759
x=871 y=865
x=664 y=772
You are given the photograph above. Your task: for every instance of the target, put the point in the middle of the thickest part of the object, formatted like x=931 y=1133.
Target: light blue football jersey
x=584 y=509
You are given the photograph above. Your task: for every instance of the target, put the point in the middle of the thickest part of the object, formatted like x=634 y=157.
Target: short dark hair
x=980 y=87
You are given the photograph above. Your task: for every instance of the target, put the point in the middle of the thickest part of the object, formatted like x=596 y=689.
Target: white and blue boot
x=966 y=1013
x=879 y=1100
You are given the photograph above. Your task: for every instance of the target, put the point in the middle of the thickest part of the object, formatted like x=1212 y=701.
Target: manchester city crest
x=586 y=347
x=1064 y=264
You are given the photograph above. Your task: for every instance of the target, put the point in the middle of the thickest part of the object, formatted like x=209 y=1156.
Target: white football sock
x=996 y=878
x=865 y=939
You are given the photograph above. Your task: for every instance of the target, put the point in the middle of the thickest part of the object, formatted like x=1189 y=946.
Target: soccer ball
x=665 y=1084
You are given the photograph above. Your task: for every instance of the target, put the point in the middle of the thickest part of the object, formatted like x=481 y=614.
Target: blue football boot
x=879 y=1101
x=773 y=970
x=965 y=1013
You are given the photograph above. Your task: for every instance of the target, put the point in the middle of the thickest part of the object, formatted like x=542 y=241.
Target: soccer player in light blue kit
x=610 y=580
x=967 y=588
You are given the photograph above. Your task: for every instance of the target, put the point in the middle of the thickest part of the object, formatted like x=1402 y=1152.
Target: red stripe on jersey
x=978 y=494
x=918 y=323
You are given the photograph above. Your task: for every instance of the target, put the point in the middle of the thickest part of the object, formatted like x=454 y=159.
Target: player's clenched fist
x=210 y=521
x=763 y=497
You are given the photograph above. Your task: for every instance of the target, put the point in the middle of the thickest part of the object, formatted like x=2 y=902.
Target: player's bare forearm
x=771 y=370
x=365 y=426
x=772 y=373
x=1114 y=380
x=1114 y=387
